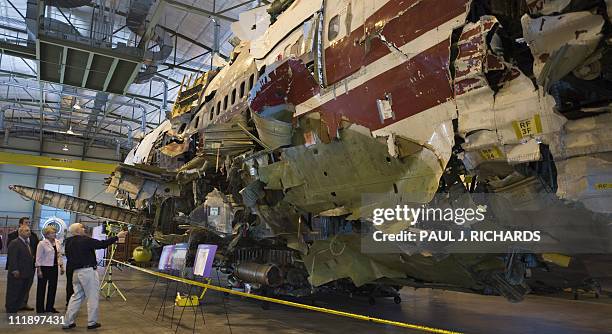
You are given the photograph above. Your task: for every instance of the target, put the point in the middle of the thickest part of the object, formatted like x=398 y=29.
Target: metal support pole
x=162 y=308
x=150 y=294
x=40 y=147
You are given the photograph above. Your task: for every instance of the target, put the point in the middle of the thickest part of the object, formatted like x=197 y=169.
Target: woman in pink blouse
x=48 y=259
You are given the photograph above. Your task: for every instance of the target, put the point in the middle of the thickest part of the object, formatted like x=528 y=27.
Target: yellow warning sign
x=527 y=127
x=603 y=186
x=492 y=153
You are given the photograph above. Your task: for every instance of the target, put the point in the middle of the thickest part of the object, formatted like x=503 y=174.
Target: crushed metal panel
x=251 y=24
x=431 y=129
x=285 y=83
x=190 y=94
x=481 y=146
x=584 y=136
x=142 y=152
x=529 y=151
x=329 y=260
x=175 y=149
x=519 y=105
x=130 y=183
x=273 y=132
x=584 y=162
x=546 y=7
x=297 y=13
x=281 y=175
x=336 y=174
x=562 y=62
x=587 y=179
x=147 y=190
x=219 y=212
x=505 y=123
x=474 y=97
x=547 y=35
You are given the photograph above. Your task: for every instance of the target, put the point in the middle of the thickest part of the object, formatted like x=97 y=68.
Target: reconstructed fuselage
x=270 y=155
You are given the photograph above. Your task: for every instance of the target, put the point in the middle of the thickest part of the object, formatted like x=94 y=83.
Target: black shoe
x=53 y=311
x=72 y=325
x=26 y=308
x=94 y=326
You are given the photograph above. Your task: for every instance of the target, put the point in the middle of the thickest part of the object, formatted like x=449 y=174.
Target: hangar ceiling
x=102 y=71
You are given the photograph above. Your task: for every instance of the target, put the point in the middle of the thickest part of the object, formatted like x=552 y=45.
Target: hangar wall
x=86 y=185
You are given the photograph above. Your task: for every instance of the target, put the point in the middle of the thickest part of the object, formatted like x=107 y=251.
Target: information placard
x=165 y=261
x=204 y=260
x=179 y=256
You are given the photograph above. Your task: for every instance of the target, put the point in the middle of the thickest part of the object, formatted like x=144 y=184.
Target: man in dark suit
x=33 y=244
x=20 y=271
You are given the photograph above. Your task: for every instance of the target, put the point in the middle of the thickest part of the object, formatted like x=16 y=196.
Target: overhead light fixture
x=77 y=106
x=65 y=148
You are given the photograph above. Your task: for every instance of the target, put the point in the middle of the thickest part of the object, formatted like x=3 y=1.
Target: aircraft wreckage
x=323 y=101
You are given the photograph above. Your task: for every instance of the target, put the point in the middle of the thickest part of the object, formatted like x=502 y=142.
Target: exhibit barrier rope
x=291 y=304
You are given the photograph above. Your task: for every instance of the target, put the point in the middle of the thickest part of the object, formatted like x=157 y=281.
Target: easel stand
x=107 y=279
x=162 y=307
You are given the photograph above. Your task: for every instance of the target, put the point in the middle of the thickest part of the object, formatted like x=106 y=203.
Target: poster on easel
x=165 y=261
x=179 y=257
x=204 y=260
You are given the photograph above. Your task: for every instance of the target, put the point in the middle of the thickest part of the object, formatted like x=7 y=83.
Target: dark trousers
x=48 y=282
x=69 y=288
x=16 y=290
x=29 y=282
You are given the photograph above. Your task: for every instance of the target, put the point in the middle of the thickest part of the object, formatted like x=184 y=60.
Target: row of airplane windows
x=216 y=110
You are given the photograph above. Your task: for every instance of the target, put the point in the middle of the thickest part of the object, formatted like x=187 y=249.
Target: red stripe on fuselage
x=401 y=20
x=414 y=86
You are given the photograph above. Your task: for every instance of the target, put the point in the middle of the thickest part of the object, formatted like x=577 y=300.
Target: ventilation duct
x=99 y=105
x=136 y=22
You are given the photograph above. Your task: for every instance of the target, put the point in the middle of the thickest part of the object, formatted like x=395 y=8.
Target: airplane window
x=225 y=103
x=251 y=79
x=212 y=113
x=233 y=96
x=242 y=89
x=219 y=107
x=333 y=29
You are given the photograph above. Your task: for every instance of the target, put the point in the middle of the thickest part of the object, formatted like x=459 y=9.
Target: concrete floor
x=461 y=312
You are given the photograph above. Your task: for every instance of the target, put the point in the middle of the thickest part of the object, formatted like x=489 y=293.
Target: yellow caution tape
x=292 y=304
